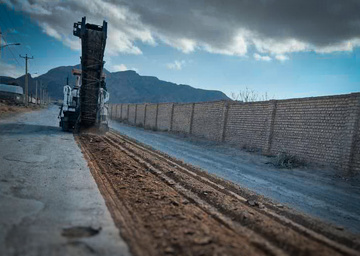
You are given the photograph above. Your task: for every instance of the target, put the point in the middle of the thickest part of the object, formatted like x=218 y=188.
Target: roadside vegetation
x=10 y=107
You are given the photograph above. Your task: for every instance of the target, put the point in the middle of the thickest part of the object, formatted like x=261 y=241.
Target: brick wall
x=355 y=153
x=208 y=119
x=111 y=111
x=150 y=119
x=164 y=116
x=132 y=114
x=140 y=111
x=117 y=110
x=124 y=111
x=181 y=118
x=247 y=124
x=355 y=163
x=316 y=129
x=324 y=130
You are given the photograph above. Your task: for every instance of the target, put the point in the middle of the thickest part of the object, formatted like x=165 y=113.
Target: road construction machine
x=84 y=105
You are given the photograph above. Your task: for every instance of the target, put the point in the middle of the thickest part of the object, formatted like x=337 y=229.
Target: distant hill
x=6 y=79
x=123 y=86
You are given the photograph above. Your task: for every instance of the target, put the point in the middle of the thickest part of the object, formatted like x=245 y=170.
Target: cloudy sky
x=285 y=48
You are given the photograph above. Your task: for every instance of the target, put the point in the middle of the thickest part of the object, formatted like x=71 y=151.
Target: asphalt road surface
x=320 y=193
x=49 y=201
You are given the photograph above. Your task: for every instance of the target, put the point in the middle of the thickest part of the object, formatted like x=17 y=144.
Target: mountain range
x=123 y=86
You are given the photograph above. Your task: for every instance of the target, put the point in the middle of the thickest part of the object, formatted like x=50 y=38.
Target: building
x=11 y=92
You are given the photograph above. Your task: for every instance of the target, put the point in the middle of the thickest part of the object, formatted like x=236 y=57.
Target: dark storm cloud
x=227 y=27
x=318 y=22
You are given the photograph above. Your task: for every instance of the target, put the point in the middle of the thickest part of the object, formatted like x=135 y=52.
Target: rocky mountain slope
x=124 y=86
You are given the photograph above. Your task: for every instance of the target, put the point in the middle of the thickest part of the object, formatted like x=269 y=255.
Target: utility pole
x=43 y=96
x=26 y=78
x=40 y=93
x=0 y=42
x=36 y=98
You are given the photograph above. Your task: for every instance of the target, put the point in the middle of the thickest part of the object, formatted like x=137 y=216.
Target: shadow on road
x=20 y=128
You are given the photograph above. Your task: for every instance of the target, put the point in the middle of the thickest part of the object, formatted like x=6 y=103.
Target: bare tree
x=249 y=95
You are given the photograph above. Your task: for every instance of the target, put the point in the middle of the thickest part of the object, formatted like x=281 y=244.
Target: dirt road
x=164 y=206
x=318 y=192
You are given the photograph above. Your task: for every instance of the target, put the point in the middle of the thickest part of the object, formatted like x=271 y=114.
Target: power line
x=16 y=51
x=13 y=36
x=12 y=24
x=18 y=37
x=14 y=56
x=10 y=48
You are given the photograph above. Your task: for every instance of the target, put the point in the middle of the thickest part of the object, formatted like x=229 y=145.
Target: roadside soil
x=166 y=207
x=8 y=108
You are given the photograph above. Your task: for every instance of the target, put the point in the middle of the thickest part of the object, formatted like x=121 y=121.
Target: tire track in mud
x=166 y=207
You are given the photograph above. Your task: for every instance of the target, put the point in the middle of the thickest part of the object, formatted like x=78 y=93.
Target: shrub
x=284 y=160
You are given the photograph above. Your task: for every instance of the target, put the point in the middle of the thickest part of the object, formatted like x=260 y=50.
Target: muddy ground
x=166 y=207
